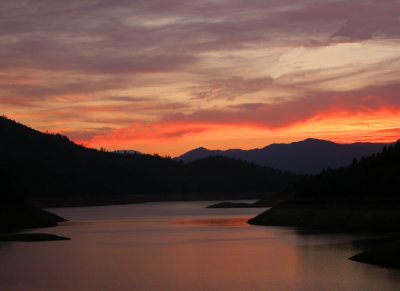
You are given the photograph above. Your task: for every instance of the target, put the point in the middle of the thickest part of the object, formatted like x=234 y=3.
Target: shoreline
x=341 y=216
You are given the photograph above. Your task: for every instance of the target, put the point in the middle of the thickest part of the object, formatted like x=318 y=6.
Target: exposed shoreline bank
x=17 y=216
x=345 y=216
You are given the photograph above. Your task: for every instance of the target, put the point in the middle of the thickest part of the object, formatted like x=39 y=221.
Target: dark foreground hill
x=20 y=215
x=364 y=196
x=36 y=164
x=305 y=157
x=17 y=215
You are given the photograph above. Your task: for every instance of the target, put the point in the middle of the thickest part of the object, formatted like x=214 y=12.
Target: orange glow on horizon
x=191 y=77
x=174 y=139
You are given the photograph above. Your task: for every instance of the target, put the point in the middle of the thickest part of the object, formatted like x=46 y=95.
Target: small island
x=231 y=205
x=31 y=237
x=269 y=200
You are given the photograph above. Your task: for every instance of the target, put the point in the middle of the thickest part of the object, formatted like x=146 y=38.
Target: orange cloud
x=174 y=138
x=139 y=133
x=169 y=76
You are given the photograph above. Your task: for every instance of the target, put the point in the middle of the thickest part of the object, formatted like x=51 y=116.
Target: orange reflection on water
x=232 y=222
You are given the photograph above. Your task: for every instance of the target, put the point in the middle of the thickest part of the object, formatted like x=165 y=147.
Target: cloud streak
x=154 y=69
x=363 y=101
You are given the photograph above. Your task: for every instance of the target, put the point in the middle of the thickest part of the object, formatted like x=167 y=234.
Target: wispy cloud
x=93 y=68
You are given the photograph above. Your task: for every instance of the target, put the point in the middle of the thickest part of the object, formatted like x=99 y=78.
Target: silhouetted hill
x=19 y=215
x=363 y=196
x=37 y=164
x=206 y=173
x=375 y=176
x=127 y=152
x=305 y=157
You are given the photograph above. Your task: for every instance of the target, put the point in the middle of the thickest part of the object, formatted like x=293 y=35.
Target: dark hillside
x=362 y=197
x=39 y=164
x=309 y=156
x=376 y=176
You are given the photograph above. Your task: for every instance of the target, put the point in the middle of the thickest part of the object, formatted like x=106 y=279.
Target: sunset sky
x=166 y=76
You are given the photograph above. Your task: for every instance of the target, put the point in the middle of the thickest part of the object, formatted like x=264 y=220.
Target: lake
x=183 y=246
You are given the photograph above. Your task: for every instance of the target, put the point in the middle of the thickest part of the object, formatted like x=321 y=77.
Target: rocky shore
x=18 y=215
x=269 y=200
x=335 y=215
x=385 y=255
x=31 y=237
x=352 y=216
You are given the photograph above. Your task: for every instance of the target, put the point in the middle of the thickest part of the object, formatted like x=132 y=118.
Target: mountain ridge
x=308 y=156
x=37 y=164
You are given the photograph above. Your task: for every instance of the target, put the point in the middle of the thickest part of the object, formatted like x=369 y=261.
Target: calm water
x=183 y=246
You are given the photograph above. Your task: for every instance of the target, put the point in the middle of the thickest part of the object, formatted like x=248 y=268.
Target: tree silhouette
x=39 y=164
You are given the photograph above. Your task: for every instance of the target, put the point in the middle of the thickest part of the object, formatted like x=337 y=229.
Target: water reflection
x=227 y=222
x=186 y=247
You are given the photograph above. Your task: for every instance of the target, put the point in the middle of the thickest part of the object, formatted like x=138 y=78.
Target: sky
x=167 y=76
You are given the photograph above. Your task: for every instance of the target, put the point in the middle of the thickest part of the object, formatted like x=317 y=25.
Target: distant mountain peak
x=127 y=152
x=201 y=149
x=38 y=164
x=311 y=139
x=308 y=156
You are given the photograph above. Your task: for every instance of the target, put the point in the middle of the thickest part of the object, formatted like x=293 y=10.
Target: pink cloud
x=129 y=136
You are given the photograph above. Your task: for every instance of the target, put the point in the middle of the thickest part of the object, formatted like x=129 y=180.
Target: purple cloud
x=114 y=62
x=301 y=109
